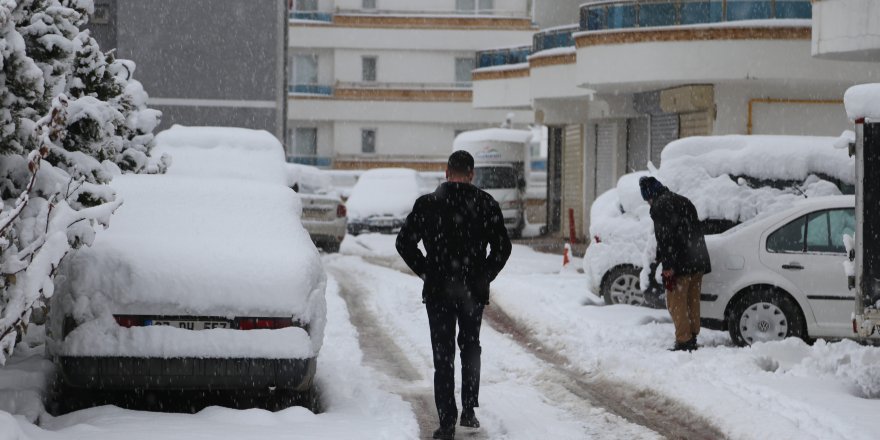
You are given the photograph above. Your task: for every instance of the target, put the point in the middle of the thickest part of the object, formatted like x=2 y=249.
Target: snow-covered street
x=554 y=365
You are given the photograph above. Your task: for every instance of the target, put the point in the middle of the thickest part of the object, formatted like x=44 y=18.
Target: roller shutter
x=606 y=136
x=573 y=179
x=637 y=148
x=694 y=124
x=664 y=129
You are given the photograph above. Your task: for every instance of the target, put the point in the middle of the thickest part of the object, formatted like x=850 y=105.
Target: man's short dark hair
x=460 y=162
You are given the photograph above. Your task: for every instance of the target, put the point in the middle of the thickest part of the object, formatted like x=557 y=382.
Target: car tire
x=765 y=315
x=621 y=285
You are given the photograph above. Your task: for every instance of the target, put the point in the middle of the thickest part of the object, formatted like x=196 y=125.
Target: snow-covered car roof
x=311 y=180
x=204 y=244
x=383 y=192
x=238 y=153
x=863 y=101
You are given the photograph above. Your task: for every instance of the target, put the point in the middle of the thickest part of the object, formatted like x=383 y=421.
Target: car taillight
x=341 y=211
x=263 y=323
x=129 y=321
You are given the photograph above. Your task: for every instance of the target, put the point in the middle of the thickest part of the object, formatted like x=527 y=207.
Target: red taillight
x=263 y=323
x=341 y=211
x=129 y=321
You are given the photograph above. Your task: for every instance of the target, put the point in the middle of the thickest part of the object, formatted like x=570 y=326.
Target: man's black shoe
x=690 y=345
x=445 y=433
x=469 y=419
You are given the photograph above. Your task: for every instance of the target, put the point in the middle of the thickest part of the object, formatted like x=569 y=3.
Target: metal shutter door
x=606 y=135
x=573 y=178
x=664 y=129
x=636 y=144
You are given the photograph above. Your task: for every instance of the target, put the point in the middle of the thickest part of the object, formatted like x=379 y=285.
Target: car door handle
x=793 y=266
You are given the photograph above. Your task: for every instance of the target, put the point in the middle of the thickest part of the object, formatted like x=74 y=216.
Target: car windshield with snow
x=205 y=279
x=730 y=180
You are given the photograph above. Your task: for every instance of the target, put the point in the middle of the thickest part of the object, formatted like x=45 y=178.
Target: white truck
x=502 y=162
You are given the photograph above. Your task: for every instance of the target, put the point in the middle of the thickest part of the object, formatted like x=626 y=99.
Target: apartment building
x=203 y=62
x=388 y=82
x=632 y=75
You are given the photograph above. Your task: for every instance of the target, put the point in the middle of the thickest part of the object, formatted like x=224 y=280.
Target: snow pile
x=309 y=180
x=383 y=192
x=200 y=245
x=224 y=152
x=863 y=101
x=703 y=169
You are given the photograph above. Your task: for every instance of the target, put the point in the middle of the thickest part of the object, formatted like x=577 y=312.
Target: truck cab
x=501 y=168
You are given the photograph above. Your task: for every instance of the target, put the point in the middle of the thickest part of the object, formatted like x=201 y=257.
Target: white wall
x=555 y=82
x=325 y=136
x=334 y=37
x=512 y=93
x=732 y=105
x=847 y=29
x=552 y=13
x=653 y=65
x=417 y=112
x=430 y=5
x=400 y=65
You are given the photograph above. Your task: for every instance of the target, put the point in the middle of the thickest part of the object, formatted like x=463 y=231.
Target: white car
x=381 y=199
x=783 y=275
x=730 y=179
x=205 y=279
x=324 y=214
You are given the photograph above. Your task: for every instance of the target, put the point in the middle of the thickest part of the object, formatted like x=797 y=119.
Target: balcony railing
x=315 y=161
x=311 y=15
x=311 y=89
x=625 y=14
x=503 y=57
x=553 y=38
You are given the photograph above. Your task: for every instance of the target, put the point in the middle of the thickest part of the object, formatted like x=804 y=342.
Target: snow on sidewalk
x=784 y=389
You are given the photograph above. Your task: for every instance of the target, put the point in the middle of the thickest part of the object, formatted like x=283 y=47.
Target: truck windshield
x=494 y=177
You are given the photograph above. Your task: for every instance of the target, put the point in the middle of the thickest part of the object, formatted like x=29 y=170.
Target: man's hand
x=668 y=276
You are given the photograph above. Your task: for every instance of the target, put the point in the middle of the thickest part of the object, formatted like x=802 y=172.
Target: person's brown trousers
x=684 y=306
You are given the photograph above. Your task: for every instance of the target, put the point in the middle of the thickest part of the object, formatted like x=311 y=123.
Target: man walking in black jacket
x=455 y=223
x=681 y=249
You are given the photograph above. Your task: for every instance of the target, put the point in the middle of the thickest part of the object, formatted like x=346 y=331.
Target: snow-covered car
x=730 y=179
x=323 y=214
x=205 y=278
x=381 y=199
x=783 y=274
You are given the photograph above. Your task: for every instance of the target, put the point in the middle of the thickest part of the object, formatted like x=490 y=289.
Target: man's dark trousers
x=442 y=318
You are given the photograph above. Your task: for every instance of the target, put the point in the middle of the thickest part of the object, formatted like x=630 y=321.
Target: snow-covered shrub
x=70 y=118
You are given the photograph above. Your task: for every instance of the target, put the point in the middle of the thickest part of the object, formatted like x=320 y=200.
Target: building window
x=369 y=4
x=305 y=141
x=304 y=69
x=368 y=69
x=475 y=6
x=463 y=68
x=306 y=5
x=368 y=140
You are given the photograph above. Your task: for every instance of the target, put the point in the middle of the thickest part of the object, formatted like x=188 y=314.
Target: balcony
x=326 y=17
x=627 y=14
x=554 y=38
x=315 y=161
x=503 y=57
x=310 y=89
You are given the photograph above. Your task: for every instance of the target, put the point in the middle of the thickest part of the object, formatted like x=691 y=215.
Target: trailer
x=863 y=107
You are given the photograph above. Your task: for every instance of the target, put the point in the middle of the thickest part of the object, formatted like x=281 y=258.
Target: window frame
x=375 y=133
x=375 y=61
x=369 y=5
x=297 y=151
x=473 y=65
x=296 y=60
x=805 y=248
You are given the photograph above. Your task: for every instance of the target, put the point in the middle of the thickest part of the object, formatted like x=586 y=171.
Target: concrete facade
x=204 y=62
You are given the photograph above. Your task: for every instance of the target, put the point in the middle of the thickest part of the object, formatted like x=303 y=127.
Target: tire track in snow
x=644 y=407
x=383 y=354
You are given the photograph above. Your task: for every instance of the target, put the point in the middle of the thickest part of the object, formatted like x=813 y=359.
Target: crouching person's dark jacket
x=681 y=245
x=456 y=223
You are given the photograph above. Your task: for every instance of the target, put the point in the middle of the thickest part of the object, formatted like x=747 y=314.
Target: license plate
x=189 y=325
